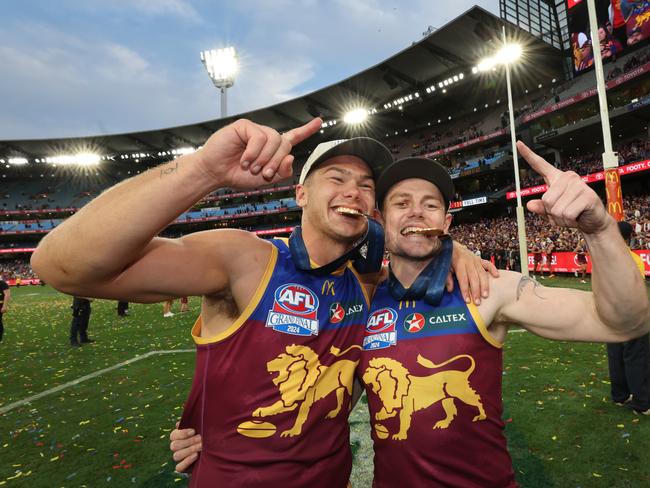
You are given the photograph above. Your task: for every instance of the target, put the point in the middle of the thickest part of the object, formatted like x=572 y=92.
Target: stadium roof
x=452 y=49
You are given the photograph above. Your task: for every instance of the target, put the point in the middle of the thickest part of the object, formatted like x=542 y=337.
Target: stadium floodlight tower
x=222 y=66
x=506 y=56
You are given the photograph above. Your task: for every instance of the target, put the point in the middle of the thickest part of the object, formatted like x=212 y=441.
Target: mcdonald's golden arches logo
x=406 y=304
x=328 y=288
x=614 y=208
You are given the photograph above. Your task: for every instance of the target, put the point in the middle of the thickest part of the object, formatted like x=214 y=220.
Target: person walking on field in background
x=122 y=308
x=271 y=309
x=538 y=258
x=549 y=249
x=80 y=320
x=629 y=361
x=184 y=305
x=581 y=260
x=167 y=308
x=5 y=295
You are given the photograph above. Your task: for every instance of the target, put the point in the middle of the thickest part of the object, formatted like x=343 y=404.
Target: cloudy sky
x=91 y=67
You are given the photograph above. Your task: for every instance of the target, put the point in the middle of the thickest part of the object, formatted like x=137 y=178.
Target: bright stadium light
x=356 y=116
x=17 y=161
x=80 y=159
x=486 y=64
x=222 y=66
x=509 y=53
x=87 y=159
x=181 y=151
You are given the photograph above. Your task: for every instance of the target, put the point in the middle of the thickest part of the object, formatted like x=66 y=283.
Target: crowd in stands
x=637 y=212
x=629 y=152
x=493 y=236
x=16 y=268
x=541 y=100
x=634 y=61
x=436 y=141
x=204 y=213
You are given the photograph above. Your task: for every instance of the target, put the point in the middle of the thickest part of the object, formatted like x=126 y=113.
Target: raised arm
x=108 y=249
x=617 y=309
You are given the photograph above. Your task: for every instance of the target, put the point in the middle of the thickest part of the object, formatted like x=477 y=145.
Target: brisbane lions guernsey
x=271 y=394
x=433 y=380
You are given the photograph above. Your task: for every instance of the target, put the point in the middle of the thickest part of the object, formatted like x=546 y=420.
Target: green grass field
x=112 y=430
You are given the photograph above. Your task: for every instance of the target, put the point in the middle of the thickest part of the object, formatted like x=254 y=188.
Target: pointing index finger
x=301 y=133
x=538 y=163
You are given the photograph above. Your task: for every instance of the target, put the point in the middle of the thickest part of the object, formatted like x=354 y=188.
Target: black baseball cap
x=414 y=167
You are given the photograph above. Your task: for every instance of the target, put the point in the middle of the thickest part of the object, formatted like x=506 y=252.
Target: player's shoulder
x=232 y=239
x=231 y=249
x=509 y=284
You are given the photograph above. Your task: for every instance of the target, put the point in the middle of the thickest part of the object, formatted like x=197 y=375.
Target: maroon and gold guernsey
x=433 y=380
x=271 y=394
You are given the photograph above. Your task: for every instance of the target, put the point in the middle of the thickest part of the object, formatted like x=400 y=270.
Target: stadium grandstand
x=426 y=100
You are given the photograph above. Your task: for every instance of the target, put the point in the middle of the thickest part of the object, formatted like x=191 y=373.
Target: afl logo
x=414 y=323
x=382 y=320
x=296 y=299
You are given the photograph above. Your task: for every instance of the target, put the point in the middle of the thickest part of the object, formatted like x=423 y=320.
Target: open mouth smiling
x=349 y=211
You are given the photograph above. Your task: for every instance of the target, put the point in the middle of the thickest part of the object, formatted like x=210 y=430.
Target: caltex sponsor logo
x=337 y=313
x=414 y=323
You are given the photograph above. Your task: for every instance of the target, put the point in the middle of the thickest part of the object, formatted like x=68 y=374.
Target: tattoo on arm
x=522 y=284
x=169 y=169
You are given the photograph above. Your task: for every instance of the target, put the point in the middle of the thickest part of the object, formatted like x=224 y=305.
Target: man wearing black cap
x=281 y=323
x=432 y=364
x=629 y=362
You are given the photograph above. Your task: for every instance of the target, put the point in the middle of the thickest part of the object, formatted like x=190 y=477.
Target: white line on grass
x=42 y=394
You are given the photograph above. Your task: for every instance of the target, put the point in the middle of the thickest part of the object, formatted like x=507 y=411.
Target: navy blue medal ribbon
x=430 y=283
x=366 y=254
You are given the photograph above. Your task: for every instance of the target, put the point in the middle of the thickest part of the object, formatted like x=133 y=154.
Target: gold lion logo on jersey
x=402 y=393
x=302 y=381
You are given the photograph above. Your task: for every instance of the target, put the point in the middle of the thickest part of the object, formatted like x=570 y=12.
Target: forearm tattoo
x=522 y=284
x=169 y=168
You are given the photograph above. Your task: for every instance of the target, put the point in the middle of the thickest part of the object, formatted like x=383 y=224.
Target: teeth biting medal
x=425 y=231
x=351 y=212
